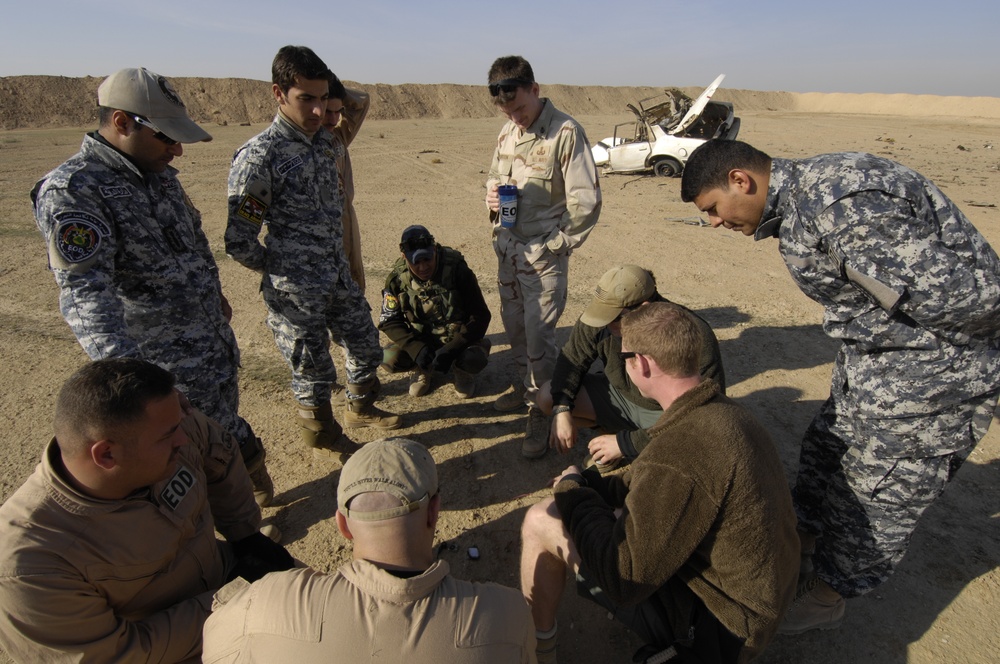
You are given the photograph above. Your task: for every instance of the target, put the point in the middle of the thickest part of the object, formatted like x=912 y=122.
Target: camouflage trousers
x=302 y=324
x=864 y=482
x=532 y=285
x=221 y=401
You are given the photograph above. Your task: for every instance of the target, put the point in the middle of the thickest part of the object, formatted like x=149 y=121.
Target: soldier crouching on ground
x=286 y=178
x=434 y=312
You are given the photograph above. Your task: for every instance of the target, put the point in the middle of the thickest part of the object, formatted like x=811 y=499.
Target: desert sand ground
x=939 y=606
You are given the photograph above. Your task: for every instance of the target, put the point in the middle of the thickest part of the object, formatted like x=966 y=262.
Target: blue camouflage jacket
x=906 y=280
x=135 y=272
x=285 y=181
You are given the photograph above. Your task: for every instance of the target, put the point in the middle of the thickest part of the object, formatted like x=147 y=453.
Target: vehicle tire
x=667 y=167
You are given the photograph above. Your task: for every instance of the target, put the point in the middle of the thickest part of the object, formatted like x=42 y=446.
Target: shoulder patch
x=252 y=209
x=390 y=306
x=77 y=235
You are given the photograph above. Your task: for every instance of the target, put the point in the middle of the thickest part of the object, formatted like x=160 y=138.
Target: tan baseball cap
x=397 y=466
x=619 y=288
x=151 y=96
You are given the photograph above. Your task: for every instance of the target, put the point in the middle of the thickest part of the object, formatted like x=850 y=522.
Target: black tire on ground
x=667 y=167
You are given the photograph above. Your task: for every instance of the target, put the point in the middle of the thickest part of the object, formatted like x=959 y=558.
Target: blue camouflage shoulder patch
x=78 y=235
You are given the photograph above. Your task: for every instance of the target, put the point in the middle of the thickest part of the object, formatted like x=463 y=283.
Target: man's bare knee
x=540 y=519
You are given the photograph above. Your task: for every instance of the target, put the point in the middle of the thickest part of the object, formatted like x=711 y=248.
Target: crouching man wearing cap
x=135 y=272
x=394 y=601
x=434 y=312
x=608 y=399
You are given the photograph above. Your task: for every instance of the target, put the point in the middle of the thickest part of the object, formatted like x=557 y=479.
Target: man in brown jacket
x=108 y=551
x=694 y=546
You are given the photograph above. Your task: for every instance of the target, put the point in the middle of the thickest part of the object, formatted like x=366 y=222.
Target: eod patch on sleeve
x=77 y=236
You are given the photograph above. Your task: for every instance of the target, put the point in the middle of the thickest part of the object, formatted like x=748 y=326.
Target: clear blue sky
x=916 y=46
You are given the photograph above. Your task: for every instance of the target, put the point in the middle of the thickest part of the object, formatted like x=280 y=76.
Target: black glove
x=424 y=358
x=257 y=555
x=443 y=359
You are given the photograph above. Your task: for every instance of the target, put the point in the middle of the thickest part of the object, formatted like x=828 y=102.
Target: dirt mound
x=28 y=102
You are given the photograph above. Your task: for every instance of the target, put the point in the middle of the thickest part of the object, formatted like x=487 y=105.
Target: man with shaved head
x=393 y=601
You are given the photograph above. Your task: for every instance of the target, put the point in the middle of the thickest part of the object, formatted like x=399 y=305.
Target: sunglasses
x=507 y=85
x=414 y=243
x=626 y=355
x=158 y=135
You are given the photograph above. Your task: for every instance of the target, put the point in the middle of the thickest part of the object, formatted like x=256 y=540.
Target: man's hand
x=572 y=470
x=257 y=555
x=493 y=199
x=562 y=432
x=604 y=449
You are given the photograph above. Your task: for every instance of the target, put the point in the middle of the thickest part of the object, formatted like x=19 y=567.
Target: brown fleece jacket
x=707 y=511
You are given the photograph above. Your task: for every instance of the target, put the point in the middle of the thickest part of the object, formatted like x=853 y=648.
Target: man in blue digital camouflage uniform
x=913 y=291
x=135 y=271
x=285 y=178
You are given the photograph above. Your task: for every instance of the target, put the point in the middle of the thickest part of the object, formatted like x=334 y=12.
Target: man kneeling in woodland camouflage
x=435 y=315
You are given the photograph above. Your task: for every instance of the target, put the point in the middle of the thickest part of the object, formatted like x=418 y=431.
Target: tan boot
x=263 y=487
x=323 y=434
x=339 y=397
x=511 y=400
x=536 y=435
x=361 y=410
x=465 y=383
x=421 y=384
x=818 y=607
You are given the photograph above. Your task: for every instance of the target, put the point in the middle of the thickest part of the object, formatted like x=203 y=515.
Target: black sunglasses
x=507 y=85
x=159 y=135
x=626 y=355
x=414 y=243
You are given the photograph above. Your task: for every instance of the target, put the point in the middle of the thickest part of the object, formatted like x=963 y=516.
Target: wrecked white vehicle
x=667 y=128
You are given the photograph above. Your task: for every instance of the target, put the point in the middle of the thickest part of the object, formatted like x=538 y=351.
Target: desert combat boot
x=263 y=486
x=536 y=434
x=361 y=410
x=511 y=400
x=464 y=382
x=323 y=434
x=817 y=606
x=421 y=383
